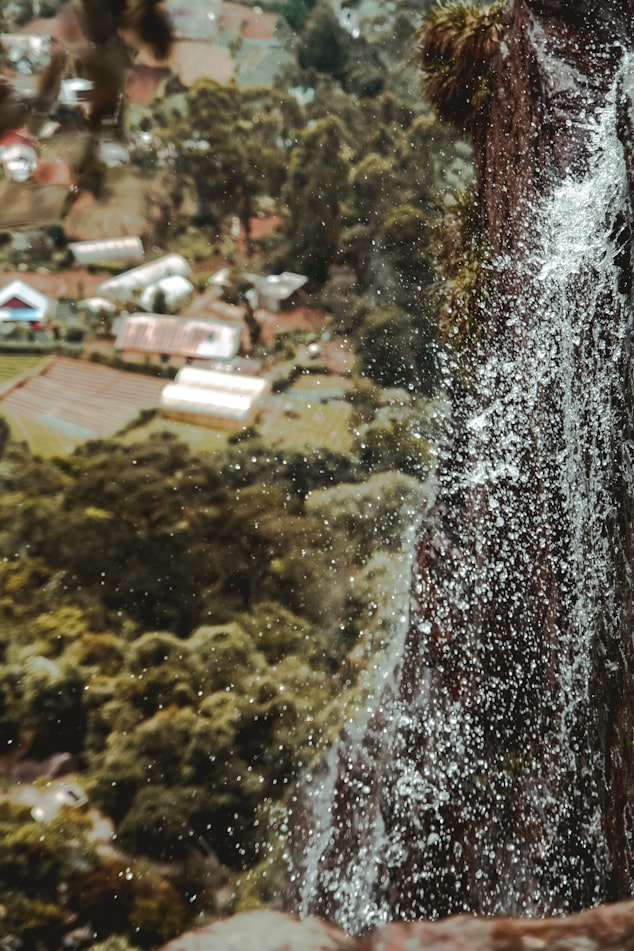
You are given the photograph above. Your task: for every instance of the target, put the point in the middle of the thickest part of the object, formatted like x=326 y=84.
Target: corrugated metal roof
x=125 y=285
x=80 y=399
x=178 y=336
x=29 y=295
x=279 y=286
x=107 y=249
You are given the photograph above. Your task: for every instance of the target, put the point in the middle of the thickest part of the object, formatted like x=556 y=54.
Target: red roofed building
x=22 y=304
x=248 y=22
x=189 y=340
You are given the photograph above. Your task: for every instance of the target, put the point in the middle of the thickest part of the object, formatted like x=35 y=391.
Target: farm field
x=289 y=421
x=42 y=439
x=12 y=365
x=312 y=413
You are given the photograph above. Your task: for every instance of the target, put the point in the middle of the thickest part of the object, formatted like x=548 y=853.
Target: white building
x=22 y=304
x=195 y=19
x=129 y=248
x=173 y=291
x=125 y=288
x=199 y=339
x=277 y=291
x=215 y=398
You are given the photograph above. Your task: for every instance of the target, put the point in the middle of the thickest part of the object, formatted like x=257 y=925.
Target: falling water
x=476 y=783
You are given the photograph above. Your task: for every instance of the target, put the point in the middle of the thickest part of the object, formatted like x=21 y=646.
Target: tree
x=324 y=44
x=396 y=349
x=314 y=194
x=406 y=239
x=296 y=11
x=226 y=150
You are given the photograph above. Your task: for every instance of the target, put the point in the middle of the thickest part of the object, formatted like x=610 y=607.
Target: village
x=201 y=346
x=98 y=301
x=219 y=394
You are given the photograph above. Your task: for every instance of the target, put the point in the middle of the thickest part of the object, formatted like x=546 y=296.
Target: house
x=125 y=288
x=113 y=154
x=18 y=154
x=250 y=23
x=77 y=92
x=215 y=398
x=46 y=803
x=277 y=291
x=157 y=335
x=25 y=54
x=22 y=304
x=194 y=19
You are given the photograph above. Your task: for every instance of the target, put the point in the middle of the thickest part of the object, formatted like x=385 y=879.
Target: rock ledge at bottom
x=607 y=928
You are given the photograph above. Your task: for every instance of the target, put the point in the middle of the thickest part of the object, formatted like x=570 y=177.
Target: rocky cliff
x=495 y=775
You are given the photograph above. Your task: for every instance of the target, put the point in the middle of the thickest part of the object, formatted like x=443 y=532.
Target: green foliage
x=396 y=350
x=165 y=618
x=370 y=515
x=232 y=156
x=199 y=772
x=457 y=44
x=130 y=901
x=406 y=235
x=324 y=44
x=400 y=436
x=40 y=860
x=314 y=195
x=296 y=11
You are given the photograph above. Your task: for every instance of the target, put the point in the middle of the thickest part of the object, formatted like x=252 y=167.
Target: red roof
x=19 y=137
x=83 y=399
x=177 y=336
x=252 y=24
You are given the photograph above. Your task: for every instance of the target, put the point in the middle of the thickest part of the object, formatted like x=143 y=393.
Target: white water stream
x=529 y=584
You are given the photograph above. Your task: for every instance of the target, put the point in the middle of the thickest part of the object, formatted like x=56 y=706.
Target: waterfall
x=477 y=783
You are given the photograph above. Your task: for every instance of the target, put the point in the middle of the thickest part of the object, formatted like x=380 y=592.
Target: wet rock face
x=496 y=775
x=608 y=16
x=604 y=929
x=556 y=62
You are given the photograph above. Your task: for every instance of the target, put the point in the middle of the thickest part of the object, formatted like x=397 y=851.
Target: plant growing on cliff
x=457 y=45
x=457 y=42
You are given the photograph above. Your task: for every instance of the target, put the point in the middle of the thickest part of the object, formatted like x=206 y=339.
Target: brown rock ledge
x=606 y=928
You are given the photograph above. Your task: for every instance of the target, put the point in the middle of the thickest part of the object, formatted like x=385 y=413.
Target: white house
x=174 y=291
x=19 y=161
x=22 y=304
x=129 y=248
x=77 y=92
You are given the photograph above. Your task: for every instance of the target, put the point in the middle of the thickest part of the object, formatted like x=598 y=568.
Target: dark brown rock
x=496 y=775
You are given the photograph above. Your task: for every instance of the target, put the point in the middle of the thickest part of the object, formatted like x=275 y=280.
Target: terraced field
x=67 y=402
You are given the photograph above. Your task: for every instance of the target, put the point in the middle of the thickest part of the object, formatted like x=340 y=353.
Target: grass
x=12 y=365
x=200 y=438
x=290 y=422
x=30 y=205
x=43 y=439
x=121 y=211
x=300 y=420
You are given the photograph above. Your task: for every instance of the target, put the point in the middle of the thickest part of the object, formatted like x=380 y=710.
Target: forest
x=191 y=630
